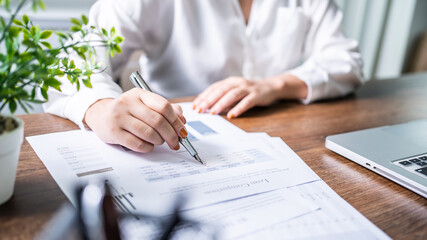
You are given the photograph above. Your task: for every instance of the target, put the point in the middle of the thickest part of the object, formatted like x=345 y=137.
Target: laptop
x=397 y=152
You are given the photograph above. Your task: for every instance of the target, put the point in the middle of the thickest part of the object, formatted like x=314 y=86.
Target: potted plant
x=29 y=66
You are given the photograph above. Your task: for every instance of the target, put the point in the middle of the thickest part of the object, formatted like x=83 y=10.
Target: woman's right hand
x=138 y=120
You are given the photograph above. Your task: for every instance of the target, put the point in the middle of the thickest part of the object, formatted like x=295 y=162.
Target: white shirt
x=190 y=44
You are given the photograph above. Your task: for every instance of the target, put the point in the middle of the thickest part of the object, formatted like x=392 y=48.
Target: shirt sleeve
x=332 y=65
x=125 y=17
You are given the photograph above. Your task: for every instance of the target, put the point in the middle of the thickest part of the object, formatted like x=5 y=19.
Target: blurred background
x=392 y=34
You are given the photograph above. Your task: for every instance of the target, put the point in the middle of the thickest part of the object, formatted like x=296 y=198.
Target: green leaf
x=26 y=35
x=33 y=93
x=104 y=32
x=87 y=83
x=118 y=39
x=85 y=19
x=24 y=73
x=72 y=65
x=75 y=21
x=25 y=19
x=58 y=73
x=82 y=55
x=7 y=5
x=33 y=30
x=46 y=34
x=27 y=42
x=44 y=93
x=41 y=5
x=88 y=72
x=113 y=31
x=112 y=52
x=76 y=49
x=117 y=48
x=18 y=22
x=2 y=22
x=14 y=31
x=52 y=82
x=55 y=52
x=46 y=44
x=65 y=62
x=76 y=28
x=11 y=48
x=61 y=35
x=12 y=105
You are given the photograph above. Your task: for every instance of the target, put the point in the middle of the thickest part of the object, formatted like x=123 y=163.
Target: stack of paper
x=252 y=186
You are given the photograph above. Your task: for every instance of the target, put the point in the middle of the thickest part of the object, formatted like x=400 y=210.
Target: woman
x=233 y=54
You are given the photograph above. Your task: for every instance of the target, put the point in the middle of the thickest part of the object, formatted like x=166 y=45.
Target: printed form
x=237 y=165
x=253 y=186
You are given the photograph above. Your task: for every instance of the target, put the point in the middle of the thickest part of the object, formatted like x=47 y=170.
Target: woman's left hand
x=239 y=94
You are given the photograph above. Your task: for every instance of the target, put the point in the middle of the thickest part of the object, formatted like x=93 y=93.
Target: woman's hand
x=138 y=120
x=240 y=94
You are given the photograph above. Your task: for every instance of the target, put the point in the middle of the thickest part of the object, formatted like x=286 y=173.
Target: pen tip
x=196 y=156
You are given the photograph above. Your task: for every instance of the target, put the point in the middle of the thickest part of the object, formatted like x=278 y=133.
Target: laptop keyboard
x=417 y=165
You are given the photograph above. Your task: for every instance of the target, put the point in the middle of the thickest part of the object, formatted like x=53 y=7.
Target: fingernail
x=199 y=110
x=176 y=148
x=212 y=112
x=194 y=107
x=183 y=132
x=230 y=116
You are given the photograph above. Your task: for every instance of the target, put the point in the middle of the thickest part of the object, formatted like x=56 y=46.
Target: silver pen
x=139 y=82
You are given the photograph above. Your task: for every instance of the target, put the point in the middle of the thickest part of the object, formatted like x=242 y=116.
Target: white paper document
x=252 y=187
x=237 y=165
x=232 y=219
x=307 y=211
x=243 y=217
x=336 y=219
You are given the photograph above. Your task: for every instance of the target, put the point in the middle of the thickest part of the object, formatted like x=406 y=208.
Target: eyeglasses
x=97 y=216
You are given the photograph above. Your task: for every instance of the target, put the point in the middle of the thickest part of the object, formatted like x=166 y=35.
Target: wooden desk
x=399 y=212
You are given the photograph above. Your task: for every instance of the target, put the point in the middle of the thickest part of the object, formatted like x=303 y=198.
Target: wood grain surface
x=399 y=212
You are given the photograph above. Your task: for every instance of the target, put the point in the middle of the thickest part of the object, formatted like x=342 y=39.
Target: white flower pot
x=10 y=146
